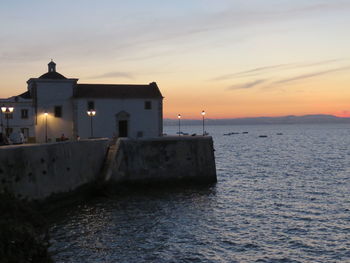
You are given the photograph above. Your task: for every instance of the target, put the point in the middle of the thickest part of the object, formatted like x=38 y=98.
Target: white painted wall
x=51 y=93
x=17 y=123
x=105 y=124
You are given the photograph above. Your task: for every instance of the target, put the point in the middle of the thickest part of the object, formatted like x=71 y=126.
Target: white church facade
x=54 y=106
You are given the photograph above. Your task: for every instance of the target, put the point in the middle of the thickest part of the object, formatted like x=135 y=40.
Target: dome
x=52 y=75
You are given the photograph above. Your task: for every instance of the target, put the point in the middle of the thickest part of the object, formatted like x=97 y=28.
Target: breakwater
x=40 y=171
x=162 y=160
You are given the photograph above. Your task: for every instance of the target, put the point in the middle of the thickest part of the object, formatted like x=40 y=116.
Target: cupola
x=52 y=73
x=52 y=66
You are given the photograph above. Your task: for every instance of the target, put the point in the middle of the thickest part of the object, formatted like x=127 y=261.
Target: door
x=123 y=128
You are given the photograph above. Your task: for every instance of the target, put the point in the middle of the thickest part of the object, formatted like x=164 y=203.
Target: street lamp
x=91 y=113
x=45 y=113
x=7 y=111
x=179 y=117
x=203 y=113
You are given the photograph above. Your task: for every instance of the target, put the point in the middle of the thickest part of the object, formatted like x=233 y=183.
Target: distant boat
x=280 y=133
x=230 y=133
x=182 y=133
x=262 y=136
x=244 y=132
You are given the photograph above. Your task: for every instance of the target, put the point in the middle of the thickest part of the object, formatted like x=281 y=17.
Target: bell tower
x=51 y=66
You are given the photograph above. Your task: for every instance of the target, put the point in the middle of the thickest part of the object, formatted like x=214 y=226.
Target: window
x=148 y=105
x=58 y=111
x=91 y=105
x=24 y=114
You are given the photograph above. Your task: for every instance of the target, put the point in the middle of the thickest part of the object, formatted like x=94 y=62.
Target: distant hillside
x=306 y=119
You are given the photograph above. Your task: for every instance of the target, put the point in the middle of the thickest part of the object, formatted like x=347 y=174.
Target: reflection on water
x=283 y=198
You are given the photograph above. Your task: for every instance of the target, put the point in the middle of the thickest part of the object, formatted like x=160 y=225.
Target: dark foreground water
x=284 y=198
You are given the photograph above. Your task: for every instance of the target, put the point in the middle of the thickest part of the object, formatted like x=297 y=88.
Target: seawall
x=162 y=160
x=39 y=170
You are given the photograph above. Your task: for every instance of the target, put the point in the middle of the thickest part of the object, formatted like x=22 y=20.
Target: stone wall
x=162 y=160
x=38 y=171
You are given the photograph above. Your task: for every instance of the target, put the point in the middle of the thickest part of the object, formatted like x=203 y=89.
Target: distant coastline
x=291 y=119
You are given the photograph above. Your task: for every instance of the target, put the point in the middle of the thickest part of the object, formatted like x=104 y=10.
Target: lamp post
x=203 y=113
x=2 y=124
x=91 y=113
x=7 y=111
x=179 y=117
x=45 y=113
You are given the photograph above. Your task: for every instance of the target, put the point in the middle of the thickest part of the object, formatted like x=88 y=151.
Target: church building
x=55 y=106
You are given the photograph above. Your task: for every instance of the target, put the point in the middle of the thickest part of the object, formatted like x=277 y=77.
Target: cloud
x=278 y=67
x=122 y=38
x=247 y=85
x=311 y=75
x=115 y=74
x=250 y=71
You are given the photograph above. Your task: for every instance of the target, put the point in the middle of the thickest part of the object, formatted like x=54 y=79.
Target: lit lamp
x=45 y=113
x=7 y=111
x=179 y=117
x=91 y=113
x=203 y=113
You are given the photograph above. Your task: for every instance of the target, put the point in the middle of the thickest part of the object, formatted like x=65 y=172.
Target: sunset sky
x=232 y=58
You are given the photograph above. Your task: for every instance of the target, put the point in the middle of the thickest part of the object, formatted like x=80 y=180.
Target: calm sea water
x=283 y=198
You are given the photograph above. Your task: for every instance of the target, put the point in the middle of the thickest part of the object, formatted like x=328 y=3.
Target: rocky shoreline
x=23 y=232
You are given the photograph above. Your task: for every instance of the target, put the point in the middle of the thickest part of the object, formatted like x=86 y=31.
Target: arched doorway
x=122 y=123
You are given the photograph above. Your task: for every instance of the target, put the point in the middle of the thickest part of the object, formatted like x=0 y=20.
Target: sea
x=283 y=197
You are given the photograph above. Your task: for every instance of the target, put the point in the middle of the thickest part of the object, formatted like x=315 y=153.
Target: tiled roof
x=117 y=91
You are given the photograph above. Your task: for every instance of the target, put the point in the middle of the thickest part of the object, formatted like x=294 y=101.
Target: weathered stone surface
x=38 y=171
x=42 y=170
x=166 y=159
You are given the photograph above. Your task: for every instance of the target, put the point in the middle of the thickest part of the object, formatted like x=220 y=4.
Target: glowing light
x=91 y=113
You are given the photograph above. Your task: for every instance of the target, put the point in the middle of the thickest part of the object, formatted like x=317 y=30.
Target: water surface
x=283 y=198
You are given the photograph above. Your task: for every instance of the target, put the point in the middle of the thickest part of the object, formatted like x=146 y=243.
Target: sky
x=231 y=58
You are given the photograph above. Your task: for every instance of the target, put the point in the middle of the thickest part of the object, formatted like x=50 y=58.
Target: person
x=21 y=137
x=63 y=138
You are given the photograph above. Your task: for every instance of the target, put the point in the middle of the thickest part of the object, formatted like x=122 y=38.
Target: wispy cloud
x=249 y=72
x=149 y=30
x=247 y=85
x=262 y=70
x=269 y=84
x=115 y=74
x=311 y=75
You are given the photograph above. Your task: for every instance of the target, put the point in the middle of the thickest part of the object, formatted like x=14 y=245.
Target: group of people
x=14 y=138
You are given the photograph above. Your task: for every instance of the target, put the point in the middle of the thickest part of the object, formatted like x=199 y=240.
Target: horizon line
x=281 y=116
